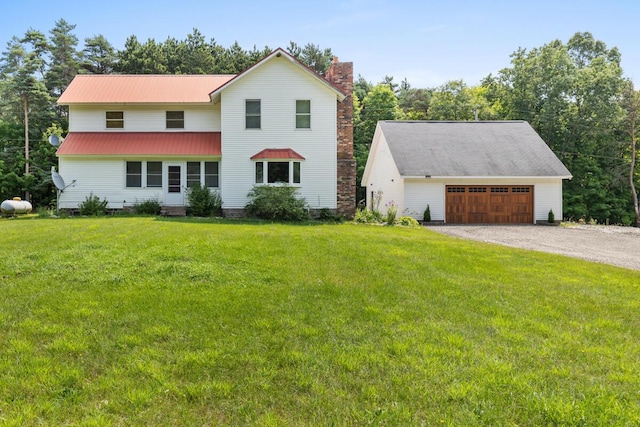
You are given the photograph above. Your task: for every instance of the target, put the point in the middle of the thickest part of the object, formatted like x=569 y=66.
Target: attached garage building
x=498 y=172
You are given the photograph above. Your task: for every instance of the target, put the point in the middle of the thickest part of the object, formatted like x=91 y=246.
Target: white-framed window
x=278 y=172
x=154 y=174
x=193 y=174
x=252 y=114
x=134 y=174
x=303 y=114
x=212 y=174
x=114 y=119
x=210 y=177
x=150 y=171
x=175 y=119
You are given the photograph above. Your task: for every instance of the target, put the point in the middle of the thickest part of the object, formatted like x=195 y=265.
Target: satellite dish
x=57 y=179
x=54 y=140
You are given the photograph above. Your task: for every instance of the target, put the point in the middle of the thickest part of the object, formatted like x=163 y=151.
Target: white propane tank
x=15 y=206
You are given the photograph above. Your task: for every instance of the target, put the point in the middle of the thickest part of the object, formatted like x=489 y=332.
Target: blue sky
x=428 y=42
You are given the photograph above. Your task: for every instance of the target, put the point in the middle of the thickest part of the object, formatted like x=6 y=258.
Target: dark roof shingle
x=470 y=149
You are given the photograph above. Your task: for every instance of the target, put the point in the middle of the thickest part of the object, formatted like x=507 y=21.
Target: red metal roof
x=277 y=153
x=141 y=143
x=141 y=88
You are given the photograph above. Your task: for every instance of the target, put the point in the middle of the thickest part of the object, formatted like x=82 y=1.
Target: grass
x=141 y=321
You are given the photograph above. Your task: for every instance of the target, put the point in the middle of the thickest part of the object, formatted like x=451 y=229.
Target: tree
x=99 y=57
x=313 y=56
x=65 y=60
x=631 y=105
x=23 y=89
x=379 y=104
x=452 y=101
x=569 y=93
x=137 y=58
x=414 y=102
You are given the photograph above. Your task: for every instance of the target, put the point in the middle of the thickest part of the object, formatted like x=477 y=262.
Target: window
x=278 y=172
x=193 y=173
x=259 y=172
x=252 y=111
x=154 y=174
x=175 y=119
x=296 y=172
x=115 y=119
x=211 y=174
x=303 y=114
x=134 y=174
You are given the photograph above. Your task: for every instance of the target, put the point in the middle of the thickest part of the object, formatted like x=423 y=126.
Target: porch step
x=173 y=211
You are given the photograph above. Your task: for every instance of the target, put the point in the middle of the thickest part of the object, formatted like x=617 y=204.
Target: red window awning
x=277 y=153
x=141 y=144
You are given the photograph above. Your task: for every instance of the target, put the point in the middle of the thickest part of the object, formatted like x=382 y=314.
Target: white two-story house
x=138 y=137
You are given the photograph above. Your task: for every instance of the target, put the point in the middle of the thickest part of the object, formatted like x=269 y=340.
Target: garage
x=489 y=204
x=496 y=172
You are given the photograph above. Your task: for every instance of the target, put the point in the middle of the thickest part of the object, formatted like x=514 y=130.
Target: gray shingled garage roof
x=478 y=149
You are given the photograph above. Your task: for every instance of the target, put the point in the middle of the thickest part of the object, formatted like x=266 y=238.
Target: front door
x=174 y=185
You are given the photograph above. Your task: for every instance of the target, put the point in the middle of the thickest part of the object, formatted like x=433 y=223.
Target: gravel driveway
x=607 y=244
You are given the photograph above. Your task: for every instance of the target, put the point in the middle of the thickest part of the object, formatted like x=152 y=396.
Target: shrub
x=407 y=221
x=93 y=206
x=279 y=203
x=366 y=216
x=147 y=207
x=326 y=214
x=551 y=217
x=203 y=202
x=392 y=212
x=427 y=214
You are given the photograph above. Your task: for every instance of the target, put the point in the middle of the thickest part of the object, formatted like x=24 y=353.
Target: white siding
x=150 y=118
x=383 y=176
x=278 y=84
x=105 y=179
x=422 y=192
x=547 y=194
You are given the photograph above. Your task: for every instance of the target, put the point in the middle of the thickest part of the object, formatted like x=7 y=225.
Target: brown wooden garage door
x=489 y=204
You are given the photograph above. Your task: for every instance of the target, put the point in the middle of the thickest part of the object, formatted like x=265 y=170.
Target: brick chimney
x=340 y=74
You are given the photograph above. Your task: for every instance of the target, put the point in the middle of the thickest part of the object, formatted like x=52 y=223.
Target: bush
x=203 y=202
x=427 y=214
x=392 y=212
x=147 y=207
x=551 y=217
x=407 y=221
x=326 y=214
x=93 y=206
x=366 y=216
x=279 y=203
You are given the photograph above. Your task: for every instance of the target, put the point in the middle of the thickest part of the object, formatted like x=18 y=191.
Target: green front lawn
x=141 y=321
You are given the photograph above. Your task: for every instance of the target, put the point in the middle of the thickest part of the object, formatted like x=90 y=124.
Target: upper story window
x=175 y=119
x=115 y=119
x=303 y=114
x=252 y=113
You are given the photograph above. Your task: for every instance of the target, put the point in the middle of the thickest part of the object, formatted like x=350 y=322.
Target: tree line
x=574 y=94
